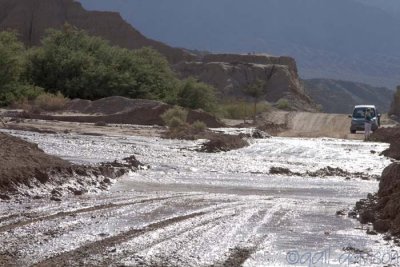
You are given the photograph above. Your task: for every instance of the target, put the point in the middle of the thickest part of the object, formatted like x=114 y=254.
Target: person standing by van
x=367 y=124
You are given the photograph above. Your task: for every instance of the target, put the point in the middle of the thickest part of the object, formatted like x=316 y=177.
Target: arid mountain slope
x=341 y=96
x=395 y=107
x=341 y=39
x=31 y=18
x=231 y=73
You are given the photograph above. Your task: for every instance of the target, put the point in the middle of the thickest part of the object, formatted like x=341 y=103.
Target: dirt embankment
x=389 y=135
x=26 y=169
x=21 y=161
x=383 y=208
x=121 y=110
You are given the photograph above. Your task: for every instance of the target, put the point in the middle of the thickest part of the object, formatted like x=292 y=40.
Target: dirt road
x=196 y=209
x=306 y=124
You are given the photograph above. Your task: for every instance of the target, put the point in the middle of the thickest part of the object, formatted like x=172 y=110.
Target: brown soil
x=324 y=172
x=223 y=143
x=217 y=142
x=121 y=110
x=389 y=135
x=23 y=163
x=383 y=209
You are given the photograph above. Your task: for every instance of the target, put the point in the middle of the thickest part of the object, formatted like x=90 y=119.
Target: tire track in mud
x=76 y=212
x=236 y=258
x=178 y=230
x=64 y=259
x=8 y=218
x=194 y=236
x=201 y=211
x=206 y=210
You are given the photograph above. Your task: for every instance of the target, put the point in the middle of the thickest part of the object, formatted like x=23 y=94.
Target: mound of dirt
x=217 y=142
x=25 y=165
x=383 y=209
x=109 y=105
x=121 y=110
x=389 y=135
x=223 y=143
x=21 y=161
x=323 y=172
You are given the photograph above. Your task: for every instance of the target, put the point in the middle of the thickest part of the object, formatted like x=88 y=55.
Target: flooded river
x=197 y=209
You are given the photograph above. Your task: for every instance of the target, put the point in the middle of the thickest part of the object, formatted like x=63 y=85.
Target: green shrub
x=282 y=104
x=175 y=117
x=51 y=102
x=15 y=93
x=82 y=66
x=176 y=122
x=199 y=126
x=197 y=95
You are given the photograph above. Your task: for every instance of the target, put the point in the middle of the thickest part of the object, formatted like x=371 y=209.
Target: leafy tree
x=13 y=86
x=197 y=95
x=11 y=58
x=255 y=90
x=83 y=66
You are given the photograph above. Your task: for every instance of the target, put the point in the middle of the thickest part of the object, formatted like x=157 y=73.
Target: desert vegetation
x=241 y=109
x=72 y=64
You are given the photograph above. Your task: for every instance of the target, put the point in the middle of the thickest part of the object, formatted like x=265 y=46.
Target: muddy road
x=196 y=209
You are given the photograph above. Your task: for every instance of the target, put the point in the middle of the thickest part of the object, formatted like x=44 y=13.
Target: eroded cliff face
x=395 y=108
x=31 y=19
x=230 y=73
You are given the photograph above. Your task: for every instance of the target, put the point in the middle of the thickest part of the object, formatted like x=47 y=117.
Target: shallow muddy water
x=196 y=209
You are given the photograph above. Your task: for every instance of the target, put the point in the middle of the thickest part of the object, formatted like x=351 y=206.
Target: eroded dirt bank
x=27 y=170
x=22 y=161
x=383 y=209
x=389 y=135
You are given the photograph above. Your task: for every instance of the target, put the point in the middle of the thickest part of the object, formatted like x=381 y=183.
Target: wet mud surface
x=198 y=209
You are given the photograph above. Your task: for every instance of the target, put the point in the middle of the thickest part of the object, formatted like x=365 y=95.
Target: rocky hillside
x=360 y=46
x=395 y=107
x=31 y=18
x=230 y=73
x=341 y=96
x=390 y=6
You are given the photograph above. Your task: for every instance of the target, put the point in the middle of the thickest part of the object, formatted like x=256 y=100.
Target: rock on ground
x=383 y=209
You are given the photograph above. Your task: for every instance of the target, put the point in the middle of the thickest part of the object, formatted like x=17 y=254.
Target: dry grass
x=50 y=102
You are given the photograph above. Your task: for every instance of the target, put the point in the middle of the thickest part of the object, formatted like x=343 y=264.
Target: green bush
x=17 y=93
x=13 y=85
x=282 y=104
x=199 y=126
x=175 y=117
x=197 y=95
x=83 y=66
